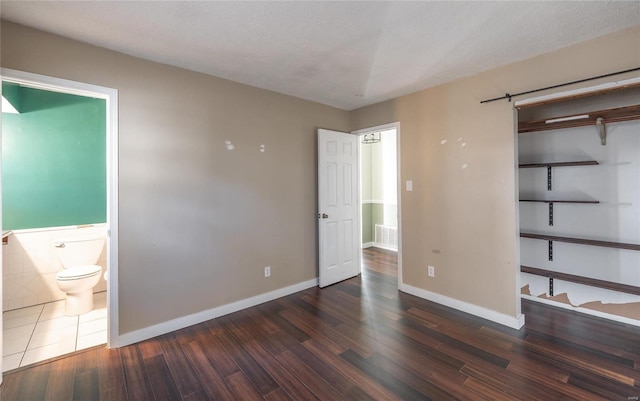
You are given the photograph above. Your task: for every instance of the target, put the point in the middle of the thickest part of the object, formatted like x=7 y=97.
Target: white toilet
x=80 y=272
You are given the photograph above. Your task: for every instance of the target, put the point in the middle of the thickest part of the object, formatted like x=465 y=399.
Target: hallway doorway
x=379 y=154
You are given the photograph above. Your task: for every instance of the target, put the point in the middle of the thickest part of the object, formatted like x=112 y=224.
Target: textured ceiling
x=344 y=54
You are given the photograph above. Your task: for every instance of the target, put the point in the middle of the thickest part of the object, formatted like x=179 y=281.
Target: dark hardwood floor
x=357 y=340
x=381 y=261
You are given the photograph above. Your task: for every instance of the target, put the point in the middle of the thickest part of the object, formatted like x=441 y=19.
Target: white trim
x=113 y=322
x=57 y=228
x=379 y=202
x=387 y=247
x=399 y=201
x=111 y=97
x=199 y=317
x=586 y=311
x=44 y=82
x=581 y=91
x=516 y=201
x=497 y=317
x=360 y=203
x=383 y=127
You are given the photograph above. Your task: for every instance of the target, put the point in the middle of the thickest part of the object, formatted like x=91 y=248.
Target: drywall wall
x=53 y=160
x=198 y=222
x=460 y=155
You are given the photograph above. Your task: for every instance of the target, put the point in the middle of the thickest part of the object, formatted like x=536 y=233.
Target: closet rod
x=509 y=96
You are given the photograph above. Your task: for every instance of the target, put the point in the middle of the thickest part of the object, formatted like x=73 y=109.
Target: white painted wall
x=390 y=177
x=384 y=176
x=615 y=183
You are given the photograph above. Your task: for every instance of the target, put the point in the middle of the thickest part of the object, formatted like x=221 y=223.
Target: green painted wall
x=367 y=223
x=365 y=182
x=53 y=160
x=376 y=213
x=377 y=217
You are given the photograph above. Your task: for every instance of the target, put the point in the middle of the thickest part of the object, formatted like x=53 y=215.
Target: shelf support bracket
x=551 y=213
x=549 y=178
x=550 y=286
x=551 y=250
x=602 y=130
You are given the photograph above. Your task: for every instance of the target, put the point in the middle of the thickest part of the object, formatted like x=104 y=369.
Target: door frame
x=111 y=97
x=377 y=128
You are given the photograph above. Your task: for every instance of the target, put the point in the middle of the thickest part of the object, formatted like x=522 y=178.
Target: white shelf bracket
x=602 y=130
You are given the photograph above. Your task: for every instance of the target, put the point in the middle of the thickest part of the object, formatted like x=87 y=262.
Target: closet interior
x=579 y=201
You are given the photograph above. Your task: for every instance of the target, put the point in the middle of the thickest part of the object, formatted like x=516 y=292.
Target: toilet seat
x=78 y=272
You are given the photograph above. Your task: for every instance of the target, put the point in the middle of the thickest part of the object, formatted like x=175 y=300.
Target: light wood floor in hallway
x=360 y=339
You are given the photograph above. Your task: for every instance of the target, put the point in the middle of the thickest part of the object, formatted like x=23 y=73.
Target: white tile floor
x=41 y=332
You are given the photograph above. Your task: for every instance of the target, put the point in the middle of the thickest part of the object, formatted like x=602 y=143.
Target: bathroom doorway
x=379 y=200
x=79 y=202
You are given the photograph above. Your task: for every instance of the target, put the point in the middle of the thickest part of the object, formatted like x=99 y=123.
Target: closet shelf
x=582 y=241
x=614 y=115
x=560 y=201
x=609 y=285
x=579 y=95
x=560 y=164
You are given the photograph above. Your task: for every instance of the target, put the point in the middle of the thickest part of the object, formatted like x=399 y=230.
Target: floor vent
x=386 y=237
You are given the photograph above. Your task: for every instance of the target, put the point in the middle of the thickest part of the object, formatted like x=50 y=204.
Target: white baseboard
x=190 y=320
x=497 y=317
x=586 y=311
x=388 y=248
x=367 y=245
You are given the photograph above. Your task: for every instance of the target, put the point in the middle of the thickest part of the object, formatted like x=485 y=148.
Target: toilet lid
x=77 y=272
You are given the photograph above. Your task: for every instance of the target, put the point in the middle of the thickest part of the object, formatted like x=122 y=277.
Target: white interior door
x=338 y=207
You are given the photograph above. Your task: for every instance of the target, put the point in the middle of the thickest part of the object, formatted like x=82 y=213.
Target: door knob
x=325 y=216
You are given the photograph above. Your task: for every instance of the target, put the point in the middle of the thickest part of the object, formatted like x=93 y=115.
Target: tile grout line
x=75 y=346
x=31 y=336
x=48 y=331
x=39 y=320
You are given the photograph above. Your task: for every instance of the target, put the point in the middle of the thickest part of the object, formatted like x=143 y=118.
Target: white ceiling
x=344 y=54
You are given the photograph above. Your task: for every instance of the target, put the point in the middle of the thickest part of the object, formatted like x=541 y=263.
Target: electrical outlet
x=267 y=271
x=431 y=271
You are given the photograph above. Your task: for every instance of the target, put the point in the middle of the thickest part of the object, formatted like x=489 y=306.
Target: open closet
x=579 y=200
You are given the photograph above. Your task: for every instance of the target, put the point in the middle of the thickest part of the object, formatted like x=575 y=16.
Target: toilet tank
x=79 y=251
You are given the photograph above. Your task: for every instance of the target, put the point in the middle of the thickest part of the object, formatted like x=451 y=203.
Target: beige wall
x=463 y=220
x=197 y=222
